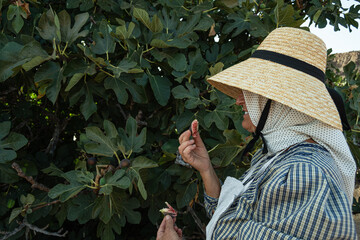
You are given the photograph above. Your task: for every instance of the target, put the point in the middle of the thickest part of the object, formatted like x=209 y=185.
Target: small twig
x=37 y=229
x=15 y=231
x=122 y=111
x=45 y=205
x=6 y=92
x=138 y=118
x=93 y=20
x=196 y=219
x=30 y=179
x=56 y=135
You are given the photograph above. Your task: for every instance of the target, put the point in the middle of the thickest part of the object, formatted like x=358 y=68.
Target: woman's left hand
x=168 y=230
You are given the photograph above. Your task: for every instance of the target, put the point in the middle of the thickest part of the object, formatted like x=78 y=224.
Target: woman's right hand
x=193 y=151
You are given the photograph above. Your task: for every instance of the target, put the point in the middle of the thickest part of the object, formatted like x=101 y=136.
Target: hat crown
x=297 y=43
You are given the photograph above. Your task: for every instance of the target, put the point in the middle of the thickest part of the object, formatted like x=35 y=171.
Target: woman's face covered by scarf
x=247 y=124
x=285 y=127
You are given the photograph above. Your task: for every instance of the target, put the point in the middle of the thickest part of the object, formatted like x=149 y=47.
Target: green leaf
x=124 y=66
x=49 y=76
x=17 y=23
x=184 y=120
x=34 y=55
x=261 y=28
x=130 y=141
x=73 y=81
x=141 y=187
x=131 y=215
x=12 y=143
x=85 y=177
x=229 y=150
x=192 y=95
x=48 y=27
x=88 y=107
x=79 y=66
x=10 y=204
x=103 y=208
x=238 y=23
x=161 y=88
x=34 y=62
x=155 y=25
x=11 y=11
x=205 y=23
x=17 y=12
x=186 y=195
x=104 y=43
x=105 y=231
x=85 y=5
x=218 y=67
x=4 y=129
x=286 y=15
x=118 y=180
x=66 y=191
x=143 y=162
x=178 y=43
x=80 y=208
x=7 y=155
x=110 y=129
x=135 y=177
x=188 y=26
x=177 y=61
x=317 y=15
x=106 y=5
x=120 y=85
x=10 y=58
x=53 y=171
x=217 y=117
x=14 y=213
x=7 y=174
x=103 y=144
x=68 y=34
x=123 y=33
x=29 y=199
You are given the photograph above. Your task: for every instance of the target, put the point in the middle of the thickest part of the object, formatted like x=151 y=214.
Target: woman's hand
x=193 y=151
x=168 y=230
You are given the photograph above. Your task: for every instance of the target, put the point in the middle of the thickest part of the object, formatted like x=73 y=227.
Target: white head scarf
x=285 y=127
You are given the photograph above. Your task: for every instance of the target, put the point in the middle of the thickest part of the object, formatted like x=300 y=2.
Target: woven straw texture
x=283 y=84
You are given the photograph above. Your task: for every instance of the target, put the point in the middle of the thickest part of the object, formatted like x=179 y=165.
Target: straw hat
x=288 y=67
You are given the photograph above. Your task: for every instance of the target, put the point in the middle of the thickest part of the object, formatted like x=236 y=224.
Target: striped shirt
x=299 y=196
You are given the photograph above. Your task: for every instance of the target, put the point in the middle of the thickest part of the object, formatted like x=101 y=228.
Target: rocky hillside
x=342 y=59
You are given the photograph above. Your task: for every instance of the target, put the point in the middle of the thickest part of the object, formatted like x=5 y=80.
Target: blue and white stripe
x=298 y=197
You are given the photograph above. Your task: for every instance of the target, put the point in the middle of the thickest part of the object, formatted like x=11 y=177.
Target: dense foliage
x=94 y=95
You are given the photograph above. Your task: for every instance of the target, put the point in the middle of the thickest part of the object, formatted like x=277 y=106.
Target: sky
x=340 y=41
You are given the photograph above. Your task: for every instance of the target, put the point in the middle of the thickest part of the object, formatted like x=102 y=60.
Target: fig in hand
x=194 y=127
x=169 y=210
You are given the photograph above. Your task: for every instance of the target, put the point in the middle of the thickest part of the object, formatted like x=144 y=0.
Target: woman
x=300 y=184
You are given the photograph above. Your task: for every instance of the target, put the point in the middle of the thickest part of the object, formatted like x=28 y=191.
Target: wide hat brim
x=280 y=83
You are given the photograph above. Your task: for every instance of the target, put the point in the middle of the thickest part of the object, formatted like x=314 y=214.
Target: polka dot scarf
x=285 y=127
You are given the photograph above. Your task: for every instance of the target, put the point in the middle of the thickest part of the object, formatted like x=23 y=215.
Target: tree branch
x=59 y=127
x=15 y=231
x=139 y=118
x=197 y=220
x=30 y=179
x=43 y=231
x=122 y=111
x=45 y=205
